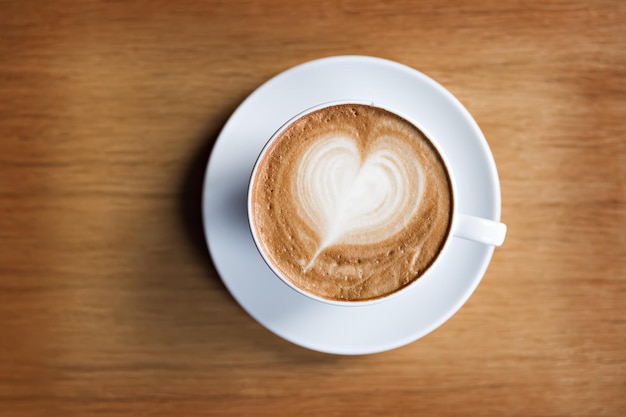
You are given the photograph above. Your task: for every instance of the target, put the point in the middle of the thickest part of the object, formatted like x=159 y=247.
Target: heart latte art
x=351 y=202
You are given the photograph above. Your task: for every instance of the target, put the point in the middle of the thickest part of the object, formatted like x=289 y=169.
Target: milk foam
x=357 y=199
x=351 y=202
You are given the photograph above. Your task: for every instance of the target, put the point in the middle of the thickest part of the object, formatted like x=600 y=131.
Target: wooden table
x=109 y=303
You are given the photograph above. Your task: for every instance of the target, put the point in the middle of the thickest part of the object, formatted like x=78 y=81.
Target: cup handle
x=480 y=230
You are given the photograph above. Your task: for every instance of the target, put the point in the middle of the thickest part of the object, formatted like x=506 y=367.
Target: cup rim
x=350 y=303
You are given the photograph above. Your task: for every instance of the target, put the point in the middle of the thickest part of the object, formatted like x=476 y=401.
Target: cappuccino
x=351 y=203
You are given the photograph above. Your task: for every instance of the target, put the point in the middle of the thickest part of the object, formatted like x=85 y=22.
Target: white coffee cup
x=463 y=226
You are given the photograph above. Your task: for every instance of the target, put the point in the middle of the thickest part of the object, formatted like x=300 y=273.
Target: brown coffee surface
x=351 y=202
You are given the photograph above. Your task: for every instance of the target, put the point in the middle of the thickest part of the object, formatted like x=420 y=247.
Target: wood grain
x=109 y=304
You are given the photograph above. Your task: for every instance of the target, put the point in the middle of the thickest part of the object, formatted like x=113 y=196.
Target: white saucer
x=316 y=325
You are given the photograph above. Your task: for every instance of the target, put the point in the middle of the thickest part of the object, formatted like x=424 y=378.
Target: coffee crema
x=351 y=202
